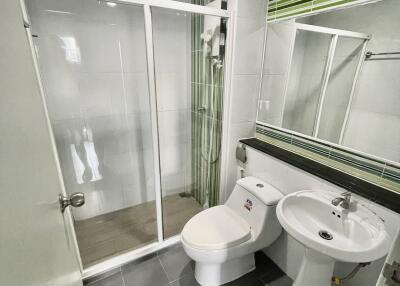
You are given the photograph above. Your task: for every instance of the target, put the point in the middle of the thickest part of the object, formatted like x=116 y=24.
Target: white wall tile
x=252 y=9
x=172 y=127
x=373 y=133
x=136 y=93
x=172 y=92
x=247 y=60
x=272 y=96
x=280 y=37
x=244 y=97
x=248 y=46
x=238 y=131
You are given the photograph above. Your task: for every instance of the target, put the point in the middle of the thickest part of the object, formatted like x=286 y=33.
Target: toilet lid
x=216 y=228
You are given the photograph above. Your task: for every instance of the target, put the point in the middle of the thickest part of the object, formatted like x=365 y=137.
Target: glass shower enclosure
x=135 y=97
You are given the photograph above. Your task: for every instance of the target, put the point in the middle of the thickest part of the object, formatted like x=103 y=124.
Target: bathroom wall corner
x=248 y=43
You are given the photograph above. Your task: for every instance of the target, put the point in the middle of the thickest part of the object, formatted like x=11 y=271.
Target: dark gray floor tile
x=187 y=280
x=267 y=271
x=283 y=281
x=176 y=263
x=147 y=273
x=250 y=279
x=113 y=280
x=102 y=276
x=174 y=268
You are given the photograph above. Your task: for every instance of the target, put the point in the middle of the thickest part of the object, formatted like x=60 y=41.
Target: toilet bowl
x=222 y=239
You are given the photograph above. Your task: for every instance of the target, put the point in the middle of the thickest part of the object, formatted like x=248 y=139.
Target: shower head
x=206 y=37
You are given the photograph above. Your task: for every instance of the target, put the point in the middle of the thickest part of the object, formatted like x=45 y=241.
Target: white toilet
x=222 y=239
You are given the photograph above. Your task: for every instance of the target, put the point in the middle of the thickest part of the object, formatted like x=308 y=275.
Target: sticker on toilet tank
x=248 y=205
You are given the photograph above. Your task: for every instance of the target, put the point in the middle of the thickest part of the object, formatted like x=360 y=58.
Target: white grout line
x=163 y=268
x=122 y=275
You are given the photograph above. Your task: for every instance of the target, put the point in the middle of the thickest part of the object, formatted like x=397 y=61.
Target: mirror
x=335 y=76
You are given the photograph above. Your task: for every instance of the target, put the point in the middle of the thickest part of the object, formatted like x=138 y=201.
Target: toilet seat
x=216 y=228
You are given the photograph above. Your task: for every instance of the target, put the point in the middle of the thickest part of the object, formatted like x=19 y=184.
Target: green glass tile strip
x=281 y=9
x=317 y=149
x=377 y=172
x=354 y=161
x=206 y=125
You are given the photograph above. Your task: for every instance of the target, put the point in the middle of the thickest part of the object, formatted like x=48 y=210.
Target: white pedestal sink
x=330 y=233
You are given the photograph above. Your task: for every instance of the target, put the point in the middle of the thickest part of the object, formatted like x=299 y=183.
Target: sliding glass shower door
x=309 y=59
x=189 y=54
x=339 y=87
x=92 y=58
x=135 y=96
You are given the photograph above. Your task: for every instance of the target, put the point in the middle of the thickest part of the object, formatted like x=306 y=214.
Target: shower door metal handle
x=76 y=200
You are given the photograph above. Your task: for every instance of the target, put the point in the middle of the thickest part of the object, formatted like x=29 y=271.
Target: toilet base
x=217 y=274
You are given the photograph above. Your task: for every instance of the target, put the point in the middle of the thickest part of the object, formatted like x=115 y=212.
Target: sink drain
x=325 y=235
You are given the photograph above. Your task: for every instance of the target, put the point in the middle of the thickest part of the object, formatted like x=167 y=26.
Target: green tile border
x=285 y=9
x=376 y=172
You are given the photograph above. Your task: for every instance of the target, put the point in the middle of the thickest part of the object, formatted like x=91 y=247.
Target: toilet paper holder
x=241 y=153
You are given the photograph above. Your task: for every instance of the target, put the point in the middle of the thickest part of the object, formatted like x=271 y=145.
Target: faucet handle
x=346 y=194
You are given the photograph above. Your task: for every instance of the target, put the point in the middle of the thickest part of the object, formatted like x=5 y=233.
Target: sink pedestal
x=316 y=269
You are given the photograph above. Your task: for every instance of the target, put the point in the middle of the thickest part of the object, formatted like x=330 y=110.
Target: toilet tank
x=255 y=201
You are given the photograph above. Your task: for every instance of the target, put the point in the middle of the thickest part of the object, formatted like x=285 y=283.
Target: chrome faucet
x=344 y=201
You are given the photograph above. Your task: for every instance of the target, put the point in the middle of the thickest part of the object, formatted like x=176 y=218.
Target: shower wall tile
x=136 y=193
x=136 y=90
x=101 y=51
x=173 y=159
x=173 y=184
x=111 y=197
x=140 y=133
x=245 y=97
x=171 y=38
x=102 y=94
x=172 y=91
x=92 y=206
x=173 y=127
x=133 y=52
x=72 y=6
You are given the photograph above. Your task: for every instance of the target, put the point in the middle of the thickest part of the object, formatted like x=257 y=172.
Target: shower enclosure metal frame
x=335 y=34
x=116 y=261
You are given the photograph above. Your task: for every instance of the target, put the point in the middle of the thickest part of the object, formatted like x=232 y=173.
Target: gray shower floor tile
x=114 y=233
